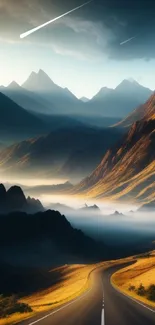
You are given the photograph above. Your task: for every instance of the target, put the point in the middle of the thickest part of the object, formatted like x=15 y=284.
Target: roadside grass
x=77 y=279
x=138 y=280
x=12 y=309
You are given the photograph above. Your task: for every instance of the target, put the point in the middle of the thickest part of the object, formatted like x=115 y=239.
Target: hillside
x=138 y=114
x=44 y=238
x=127 y=171
x=16 y=122
x=27 y=99
x=67 y=153
x=118 y=102
x=138 y=280
x=59 y=100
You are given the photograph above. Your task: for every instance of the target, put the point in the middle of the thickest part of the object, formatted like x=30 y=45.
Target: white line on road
x=102 y=317
x=54 y=312
x=102 y=314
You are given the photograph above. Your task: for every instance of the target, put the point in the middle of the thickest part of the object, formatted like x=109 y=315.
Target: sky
x=81 y=51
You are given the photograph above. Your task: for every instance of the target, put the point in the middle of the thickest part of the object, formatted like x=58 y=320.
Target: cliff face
x=127 y=171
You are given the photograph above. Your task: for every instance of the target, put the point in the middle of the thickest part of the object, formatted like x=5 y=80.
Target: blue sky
x=82 y=51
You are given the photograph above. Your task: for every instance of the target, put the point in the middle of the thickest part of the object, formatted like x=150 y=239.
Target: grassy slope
x=142 y=272
x=76 y=280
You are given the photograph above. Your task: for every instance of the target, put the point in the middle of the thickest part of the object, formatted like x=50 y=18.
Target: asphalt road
x=101 y=305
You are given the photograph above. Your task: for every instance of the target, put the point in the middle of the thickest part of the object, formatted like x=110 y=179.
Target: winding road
x=101 y=305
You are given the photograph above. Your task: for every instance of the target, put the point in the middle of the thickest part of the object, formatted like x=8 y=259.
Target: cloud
x=93 y=32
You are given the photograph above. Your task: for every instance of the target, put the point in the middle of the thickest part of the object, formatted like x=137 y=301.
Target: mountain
x=27 y=99
x=60 y=99
x=120 y=101
x=138 y=114
x=101 y=95
x=66 y=153
x=40 y=95
x=117 y=214
x=93 y=208
x=16 y=122
x=127 y=170
x=44 y=239
x=84 y=99
x=15 y=200
x=48 y=189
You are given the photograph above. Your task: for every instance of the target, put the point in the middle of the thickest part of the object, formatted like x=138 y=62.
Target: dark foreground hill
x=15 y=200
x=45 y=238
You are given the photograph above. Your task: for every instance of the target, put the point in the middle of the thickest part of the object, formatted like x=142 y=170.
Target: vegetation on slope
x=138 y=280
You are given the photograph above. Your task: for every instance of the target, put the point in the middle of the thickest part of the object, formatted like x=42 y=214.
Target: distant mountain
x=93 y=208
x=60 y=99
x=27 y=99
x=120 y=101
x=84 y=99
x=127 y=170
x=15 y=200
x=66 y=153
x=101 y=95
x=49 y=189
x=138 y=114
x=16 y=122
x=39 y=94
x=62 y=208
x=117 y=214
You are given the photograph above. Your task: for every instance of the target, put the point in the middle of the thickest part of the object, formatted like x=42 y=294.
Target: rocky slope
x=15 y=200
x=67 y=153
x=138 y=114
x=127 y=171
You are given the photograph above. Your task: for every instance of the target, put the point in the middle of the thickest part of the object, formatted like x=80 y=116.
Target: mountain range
x=118 y=102
x=127 y=170
x=40 y=94
x=66 y=153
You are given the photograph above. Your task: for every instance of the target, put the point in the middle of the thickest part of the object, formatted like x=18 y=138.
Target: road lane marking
x=54 y=312
x=135 y=300
x=102 y=313
x=102 y=317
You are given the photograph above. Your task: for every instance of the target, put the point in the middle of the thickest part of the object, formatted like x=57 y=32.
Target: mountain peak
x=13 y=85
x=39 y=81
x=84 y=99
x=41 y=73
x=127 y=84
x=104 y=91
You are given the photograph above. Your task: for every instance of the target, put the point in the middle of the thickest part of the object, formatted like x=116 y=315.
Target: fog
x=129 y=227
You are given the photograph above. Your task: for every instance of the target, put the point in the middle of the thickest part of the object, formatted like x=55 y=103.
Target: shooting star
x=128 y=40
x=51 y=21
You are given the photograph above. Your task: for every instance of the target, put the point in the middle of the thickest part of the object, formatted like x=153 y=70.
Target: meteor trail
x=128 y=40
x=51 y=21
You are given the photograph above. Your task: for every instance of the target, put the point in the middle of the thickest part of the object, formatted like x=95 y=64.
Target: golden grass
x=15 y=318
x=142 y=272
x=77 y=280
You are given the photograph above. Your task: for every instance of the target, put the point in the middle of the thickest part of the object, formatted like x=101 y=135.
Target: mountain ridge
x=14 y=199
x=127 y=170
